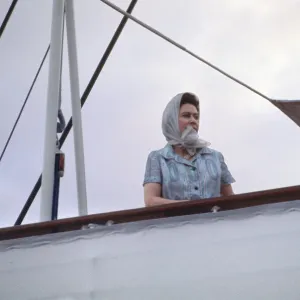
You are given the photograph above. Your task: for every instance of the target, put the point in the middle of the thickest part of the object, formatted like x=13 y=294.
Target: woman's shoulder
x=209 y=150
x=165 y=151
x=216 y=153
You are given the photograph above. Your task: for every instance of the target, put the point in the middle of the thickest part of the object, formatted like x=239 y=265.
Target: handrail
x=285 y=194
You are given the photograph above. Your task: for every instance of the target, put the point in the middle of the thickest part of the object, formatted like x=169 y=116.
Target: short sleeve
x=153 y=170
x=226 y=177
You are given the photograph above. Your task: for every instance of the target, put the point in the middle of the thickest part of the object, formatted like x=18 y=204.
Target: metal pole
x=76 y=109
x=56 y=188
x=52 y=109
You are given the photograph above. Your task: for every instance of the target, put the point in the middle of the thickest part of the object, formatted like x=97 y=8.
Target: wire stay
x=24 y=103
x=7 y=16
x=129 y=16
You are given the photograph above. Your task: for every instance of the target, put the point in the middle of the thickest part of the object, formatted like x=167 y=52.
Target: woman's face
x=188 y=115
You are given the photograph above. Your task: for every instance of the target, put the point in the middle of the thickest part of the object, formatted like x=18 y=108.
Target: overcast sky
x=256 y=41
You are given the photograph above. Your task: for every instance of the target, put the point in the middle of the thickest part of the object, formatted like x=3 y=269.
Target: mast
x=76 y=109
x=52 y=109
x=49 y=185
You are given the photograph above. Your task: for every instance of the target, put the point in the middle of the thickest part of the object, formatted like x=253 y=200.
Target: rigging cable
x=7 y=17
x=83 y=100
x=25 y=101
x=129 y=16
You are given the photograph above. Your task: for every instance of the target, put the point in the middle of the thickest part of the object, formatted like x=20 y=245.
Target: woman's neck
x=180 y=151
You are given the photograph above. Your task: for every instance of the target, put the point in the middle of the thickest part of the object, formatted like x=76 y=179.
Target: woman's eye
x=196 y=117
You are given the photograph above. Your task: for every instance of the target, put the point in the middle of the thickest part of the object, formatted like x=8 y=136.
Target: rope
x=129 y=16
x=25 y=101
x=7 y=17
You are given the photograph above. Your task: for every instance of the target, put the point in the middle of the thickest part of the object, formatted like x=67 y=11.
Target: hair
x=188 y=98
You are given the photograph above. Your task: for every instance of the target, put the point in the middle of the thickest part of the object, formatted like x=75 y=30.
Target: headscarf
x=189 y=138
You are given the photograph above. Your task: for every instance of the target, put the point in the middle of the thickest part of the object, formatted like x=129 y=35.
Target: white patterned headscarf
x=189 y=138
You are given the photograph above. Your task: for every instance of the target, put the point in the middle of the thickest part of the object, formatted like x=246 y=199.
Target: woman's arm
x=226 y=178
x=152 y=195
x=226 y=190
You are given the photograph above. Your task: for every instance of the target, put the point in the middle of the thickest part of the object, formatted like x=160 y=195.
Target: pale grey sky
x=256 y=41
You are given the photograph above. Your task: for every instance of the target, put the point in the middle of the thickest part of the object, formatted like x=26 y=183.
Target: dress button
x=193 y=168
x=196 y=188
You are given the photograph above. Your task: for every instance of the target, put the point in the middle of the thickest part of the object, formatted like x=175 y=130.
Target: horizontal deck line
x=238 y=201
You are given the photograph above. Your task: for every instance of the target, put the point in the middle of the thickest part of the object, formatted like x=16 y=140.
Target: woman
x=185 y=169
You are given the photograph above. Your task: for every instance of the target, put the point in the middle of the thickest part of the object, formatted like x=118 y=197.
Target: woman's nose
x=193 y=120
